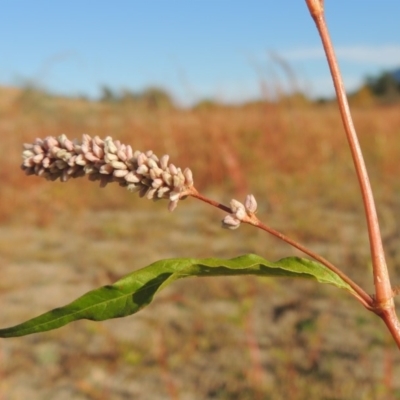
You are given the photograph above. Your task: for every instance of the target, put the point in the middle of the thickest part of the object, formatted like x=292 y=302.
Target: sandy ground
x=220 y=338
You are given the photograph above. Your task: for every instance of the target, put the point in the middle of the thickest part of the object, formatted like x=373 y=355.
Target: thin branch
x=364 y=297
x=359 y=293
x=194 y=193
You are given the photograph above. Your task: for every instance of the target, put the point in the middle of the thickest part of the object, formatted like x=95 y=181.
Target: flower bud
x=174 y=195
x=230 y=222
x=142 y=170
x=91 y=157
x=172 y=169
x=108 y=158
x=118 y=165
x=37 y=149
x=128 y=152
x=131 y=177
x=97 y=150
x=164 y=161
x=106 y=169
x=172 y=205
x=120 y=173
x=80 y=159
x=109 y=146
x=240 y=213
x=250 y=203
x=122 y=155
x=188 y=176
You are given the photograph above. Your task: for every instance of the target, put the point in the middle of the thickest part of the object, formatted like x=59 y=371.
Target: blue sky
x=194 y=48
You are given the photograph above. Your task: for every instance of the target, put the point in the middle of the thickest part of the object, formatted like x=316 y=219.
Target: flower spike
x=107 y=161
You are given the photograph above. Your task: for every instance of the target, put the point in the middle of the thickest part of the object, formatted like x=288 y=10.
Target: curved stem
x=364 y=297
x=359 y=293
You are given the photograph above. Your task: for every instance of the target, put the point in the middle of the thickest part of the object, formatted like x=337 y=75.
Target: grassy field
x=233 y=338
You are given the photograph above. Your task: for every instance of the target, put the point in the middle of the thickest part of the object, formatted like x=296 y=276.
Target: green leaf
x=136 y=290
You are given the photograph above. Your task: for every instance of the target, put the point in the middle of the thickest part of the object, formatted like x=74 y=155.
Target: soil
x=214 y=338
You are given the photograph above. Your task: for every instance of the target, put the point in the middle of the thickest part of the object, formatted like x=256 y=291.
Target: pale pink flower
x=107 y=161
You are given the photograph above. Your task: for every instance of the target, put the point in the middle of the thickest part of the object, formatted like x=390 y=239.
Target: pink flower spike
x=107 y=161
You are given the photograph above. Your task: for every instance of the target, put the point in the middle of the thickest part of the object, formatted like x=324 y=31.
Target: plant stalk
x=384 y=304
x=359 y=293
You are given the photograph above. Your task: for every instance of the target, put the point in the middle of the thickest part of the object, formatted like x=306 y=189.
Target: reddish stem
x=359 y=293
x=381 y=276
x=194 y=193
x=384 y=304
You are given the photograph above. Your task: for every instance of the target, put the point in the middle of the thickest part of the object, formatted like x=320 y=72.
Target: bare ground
x=219 y=338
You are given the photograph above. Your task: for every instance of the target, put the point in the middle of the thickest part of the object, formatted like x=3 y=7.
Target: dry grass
x=222 y=339
x=273 y=149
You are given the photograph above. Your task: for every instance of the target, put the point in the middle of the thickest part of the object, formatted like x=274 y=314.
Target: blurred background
x=240 y=93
